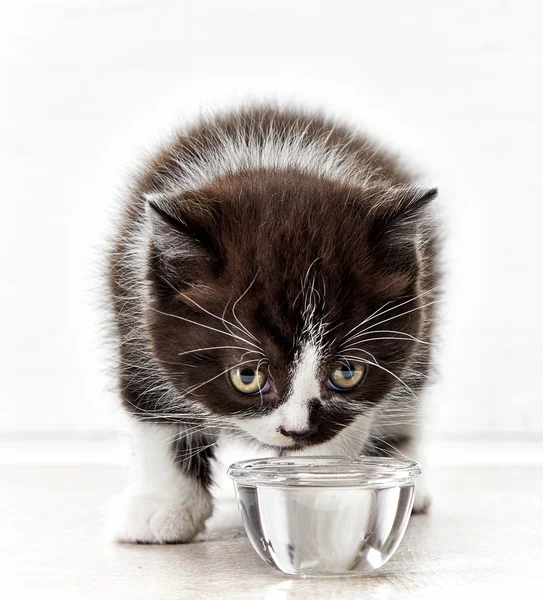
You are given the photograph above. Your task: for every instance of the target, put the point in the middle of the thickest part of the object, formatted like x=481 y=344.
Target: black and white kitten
x=273 y=277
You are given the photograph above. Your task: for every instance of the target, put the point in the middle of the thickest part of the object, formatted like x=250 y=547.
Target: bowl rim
x=372 y=472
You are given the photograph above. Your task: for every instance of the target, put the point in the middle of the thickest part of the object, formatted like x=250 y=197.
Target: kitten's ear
x=183 y=250
x=398 y=221
x=399 y=216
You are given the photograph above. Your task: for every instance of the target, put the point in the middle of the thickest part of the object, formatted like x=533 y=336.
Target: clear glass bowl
x=322 y=515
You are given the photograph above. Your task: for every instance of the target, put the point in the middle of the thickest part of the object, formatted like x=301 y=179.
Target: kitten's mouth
x=289 y=445
x=284 y=450
x=284 y=444
x=294 y=441
x=302 y=437
x=297 y=446
x=289 y=450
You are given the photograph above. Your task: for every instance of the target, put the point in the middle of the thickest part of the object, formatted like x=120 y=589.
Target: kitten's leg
x=167 y=499
x=409 y=445
x=402 y=441
x=423 y=498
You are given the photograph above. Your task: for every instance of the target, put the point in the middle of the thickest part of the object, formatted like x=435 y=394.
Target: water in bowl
x=335 y=531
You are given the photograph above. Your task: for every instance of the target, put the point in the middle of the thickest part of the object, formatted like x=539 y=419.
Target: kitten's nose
x=299 y=435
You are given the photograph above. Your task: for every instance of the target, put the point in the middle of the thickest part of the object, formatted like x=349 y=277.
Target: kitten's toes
x=423 y=500
x=155 y=519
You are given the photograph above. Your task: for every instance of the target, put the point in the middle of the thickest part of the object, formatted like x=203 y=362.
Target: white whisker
x=236 y=303
x=195 y=387
x=222 y=319
x=376 y=364
x=219 y=348
x=379 y=331
x=381 y=312
x=205 y=326
x=390 y=319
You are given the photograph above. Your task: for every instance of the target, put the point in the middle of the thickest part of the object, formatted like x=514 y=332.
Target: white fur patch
x=304 y=387
x=266 y=429
x=161 y=504
x=276 y=150
x=293 y=414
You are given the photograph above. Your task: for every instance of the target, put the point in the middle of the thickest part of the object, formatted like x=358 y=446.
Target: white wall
x=86 y=85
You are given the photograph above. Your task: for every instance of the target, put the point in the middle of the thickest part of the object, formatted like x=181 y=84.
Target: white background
x=87 y=85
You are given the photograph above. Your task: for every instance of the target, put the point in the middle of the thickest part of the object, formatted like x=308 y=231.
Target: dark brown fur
x=360 y=243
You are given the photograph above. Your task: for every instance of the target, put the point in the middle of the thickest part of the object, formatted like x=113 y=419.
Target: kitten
x=273 y=277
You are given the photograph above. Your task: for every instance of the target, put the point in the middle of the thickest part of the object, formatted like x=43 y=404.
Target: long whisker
x=383 y=441
x=185 y=433
x=219 y=348
x=399 y=339
x=412 y=422
x=348 y=432
x=194 y=388
x=379 y=331
x=257 y=371
x=222 y=319
x=390 y=319
x=236 y=303
x=191 y=453
x=381 y=312
x=375 y=313
x=376 y=364
x=205 y=326
x=359 y=350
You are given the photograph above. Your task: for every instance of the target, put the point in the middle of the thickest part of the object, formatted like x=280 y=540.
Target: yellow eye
x=346 y=376
x=249 y=381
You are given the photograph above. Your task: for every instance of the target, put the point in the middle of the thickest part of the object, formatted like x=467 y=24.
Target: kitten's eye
x=346 y=376
x=249 y=381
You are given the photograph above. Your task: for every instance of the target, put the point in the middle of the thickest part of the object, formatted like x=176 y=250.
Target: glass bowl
x=322 y=515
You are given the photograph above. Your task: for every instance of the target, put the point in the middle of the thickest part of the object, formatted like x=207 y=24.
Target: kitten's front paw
x=155 y=519
x=423 y=499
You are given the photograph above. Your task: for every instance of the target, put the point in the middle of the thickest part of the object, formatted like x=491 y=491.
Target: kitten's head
x=285 y=302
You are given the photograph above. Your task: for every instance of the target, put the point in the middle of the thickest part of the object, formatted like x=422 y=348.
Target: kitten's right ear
x=183 y=251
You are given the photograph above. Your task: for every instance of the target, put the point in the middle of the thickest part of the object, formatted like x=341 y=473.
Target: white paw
x=423 y=499
x=156 y=519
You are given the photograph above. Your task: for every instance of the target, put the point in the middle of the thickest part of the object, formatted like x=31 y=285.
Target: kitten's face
x=285 y=303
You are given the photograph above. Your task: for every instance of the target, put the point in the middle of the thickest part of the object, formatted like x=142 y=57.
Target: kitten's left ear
x=399 y=215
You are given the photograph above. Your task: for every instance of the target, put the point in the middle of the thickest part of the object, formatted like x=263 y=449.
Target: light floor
x=484 y=534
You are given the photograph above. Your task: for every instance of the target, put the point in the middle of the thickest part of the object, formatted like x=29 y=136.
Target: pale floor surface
x=484 y=534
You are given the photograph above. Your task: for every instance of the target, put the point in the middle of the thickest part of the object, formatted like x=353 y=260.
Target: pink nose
x=299 y=435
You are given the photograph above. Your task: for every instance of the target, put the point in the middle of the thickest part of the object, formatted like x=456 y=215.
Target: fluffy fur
x=284 y=243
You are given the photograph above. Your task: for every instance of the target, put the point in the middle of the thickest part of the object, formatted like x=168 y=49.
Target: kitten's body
x=282 y=243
